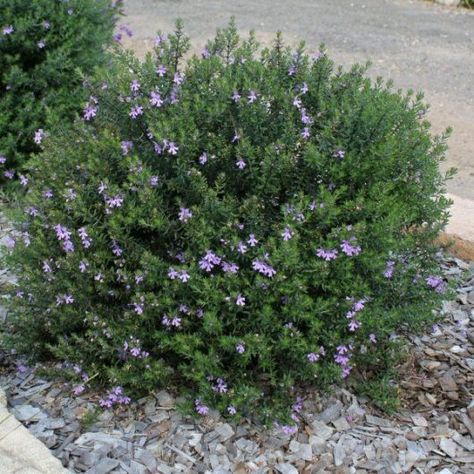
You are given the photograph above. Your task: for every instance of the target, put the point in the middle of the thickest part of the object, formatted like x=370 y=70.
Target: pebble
x=286 y=468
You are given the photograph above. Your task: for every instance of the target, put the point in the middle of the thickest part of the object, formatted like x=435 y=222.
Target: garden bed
x=433 y=429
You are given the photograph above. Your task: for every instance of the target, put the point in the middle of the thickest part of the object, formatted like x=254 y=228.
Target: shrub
x=237 y=227
x=45 y=47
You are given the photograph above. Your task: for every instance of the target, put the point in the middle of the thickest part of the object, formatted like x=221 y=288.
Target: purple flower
x=86 y=240
x=305 y=118
x=160 y=39
x=102 y=187
x=184 y=214
x=240 y=347
x=231 y=410
x=220 y=386
x=359 y=305
x=388 y=273
x=353 y=325
x=90 y=111
x=154 y=181
x=240 y=164
x=289 y=430
x=178 y=78
x=8 y=30
x=9 y=174
x=172 y=148
x=342 y=357
x=297 y=102
x=205 y=53
x=252 y=97
x=229 y=267
x=436 y=283
x=114 y=201
x=209 y=260
x=46 y=267
x=9 y=242
x=200 y=408
x=184 y=276
x=372 y=338
x=252 y=241
x=263 y=268
x=136 y=111
x=70 y=11
x=116 y=250
x=32 y=211
x=158 y=148
x=83 y=266
x=304 y=88
x=46 y=24
x=327 y=254
x=138 y=308
x=235 y=138
x=172 y=273
x=161 y=70
x=241 y=247
x=240 y=301
x=287 y=234
x=349 y=249
x=78 y=389
x=68 y=246
x=62 y=233
x=23 y=180
x=292 y=70
x=236 y=96
x=305 y=133
x=135 y=85
x=41 y=44
x=339 y=154
x=126 y=146
x=135 y=351
x=155 y=99
x=176 y=322
x=115 y=396
x=203 y=159
x=64 y=299
x=3 y=160
x=39 y=135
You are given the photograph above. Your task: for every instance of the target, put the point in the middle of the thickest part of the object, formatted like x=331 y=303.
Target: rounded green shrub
x=46 y=46
x=241 y=226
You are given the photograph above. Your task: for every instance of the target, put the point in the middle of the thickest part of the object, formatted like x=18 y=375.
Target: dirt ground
x=417 y=44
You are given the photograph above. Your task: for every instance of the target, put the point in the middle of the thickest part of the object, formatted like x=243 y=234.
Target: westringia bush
x=240 y=227
x=45 y=47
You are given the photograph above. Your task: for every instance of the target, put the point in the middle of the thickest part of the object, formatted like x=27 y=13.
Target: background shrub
x=45 y=48
x=238 y=226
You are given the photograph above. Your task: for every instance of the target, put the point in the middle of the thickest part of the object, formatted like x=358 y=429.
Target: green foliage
x=46 y=46
x=136 y=257
x=467 y=3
